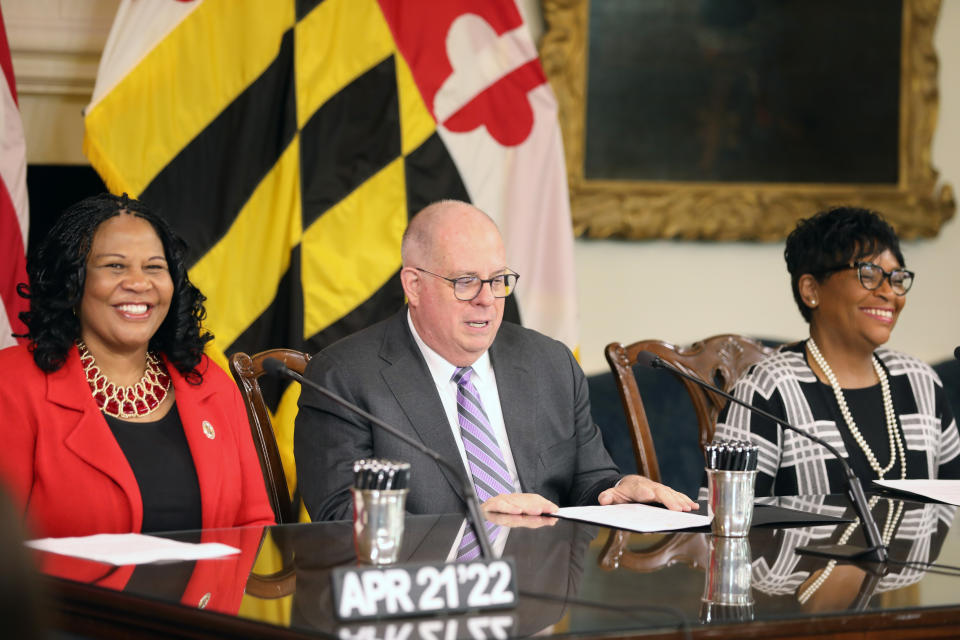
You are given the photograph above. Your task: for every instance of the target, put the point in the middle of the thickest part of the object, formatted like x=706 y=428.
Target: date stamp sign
x=484 y=626
x=361 y=593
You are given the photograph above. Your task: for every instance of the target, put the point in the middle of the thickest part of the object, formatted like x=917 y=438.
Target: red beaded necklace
x=140 y=399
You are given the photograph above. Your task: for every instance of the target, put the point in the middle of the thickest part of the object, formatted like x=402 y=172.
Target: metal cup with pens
x=379 y=490
x=731 y=475
x=727 y=593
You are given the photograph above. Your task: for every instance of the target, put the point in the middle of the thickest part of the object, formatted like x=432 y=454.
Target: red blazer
x=65 y=469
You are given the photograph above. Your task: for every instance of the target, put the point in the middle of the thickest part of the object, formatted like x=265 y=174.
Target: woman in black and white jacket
x=885 y=411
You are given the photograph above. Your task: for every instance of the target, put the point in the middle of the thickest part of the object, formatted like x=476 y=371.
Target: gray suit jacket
x=557 y=448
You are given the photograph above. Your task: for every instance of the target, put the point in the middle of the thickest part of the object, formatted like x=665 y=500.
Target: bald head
x=447 y=240
x=426 y=229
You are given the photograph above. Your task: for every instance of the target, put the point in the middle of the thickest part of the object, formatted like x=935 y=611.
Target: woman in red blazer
x=112 y=419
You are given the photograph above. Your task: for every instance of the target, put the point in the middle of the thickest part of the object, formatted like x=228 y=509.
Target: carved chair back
x=690 y=549
x=719 y=360
x=246 y=371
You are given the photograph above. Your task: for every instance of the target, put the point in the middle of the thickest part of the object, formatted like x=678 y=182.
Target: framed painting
x=731 y=119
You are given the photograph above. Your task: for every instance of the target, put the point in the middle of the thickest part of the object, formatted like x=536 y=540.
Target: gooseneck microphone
x=876 y=552
x=275 y=367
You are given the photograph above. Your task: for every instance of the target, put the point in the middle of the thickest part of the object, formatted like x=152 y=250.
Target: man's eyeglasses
x=467 y=288
x=872 y=276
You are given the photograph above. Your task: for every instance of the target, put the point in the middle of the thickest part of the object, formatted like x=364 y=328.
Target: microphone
x=276 y=368
x=876 y=552
x=956 y=353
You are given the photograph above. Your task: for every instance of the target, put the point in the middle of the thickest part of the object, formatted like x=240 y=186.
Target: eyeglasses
x=872 y=276
x=467 y=288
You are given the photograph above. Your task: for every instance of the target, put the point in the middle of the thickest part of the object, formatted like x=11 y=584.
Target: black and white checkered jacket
x=784 y=385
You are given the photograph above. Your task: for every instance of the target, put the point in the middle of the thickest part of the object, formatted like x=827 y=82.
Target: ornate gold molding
x=916 y=205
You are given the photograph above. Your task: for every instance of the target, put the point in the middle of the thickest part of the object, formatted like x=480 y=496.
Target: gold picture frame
x=916 y=205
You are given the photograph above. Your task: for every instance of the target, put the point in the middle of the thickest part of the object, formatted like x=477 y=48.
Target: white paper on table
x=131 y=548
x=946 y=491
x=635 y=517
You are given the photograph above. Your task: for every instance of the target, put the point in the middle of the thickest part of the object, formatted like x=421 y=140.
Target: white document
x=131 y=548
x=635 y=517
x=946 y=491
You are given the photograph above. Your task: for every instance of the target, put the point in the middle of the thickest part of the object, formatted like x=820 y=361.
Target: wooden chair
x=690 y=549
x=283 y=581
x=246 y=371
x=719 y=360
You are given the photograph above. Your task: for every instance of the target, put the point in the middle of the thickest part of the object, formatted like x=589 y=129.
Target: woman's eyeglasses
x=872 y=276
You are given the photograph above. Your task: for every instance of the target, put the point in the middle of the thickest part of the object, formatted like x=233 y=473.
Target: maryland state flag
x=290 y=141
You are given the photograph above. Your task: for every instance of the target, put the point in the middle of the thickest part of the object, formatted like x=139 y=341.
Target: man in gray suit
x=509 y=402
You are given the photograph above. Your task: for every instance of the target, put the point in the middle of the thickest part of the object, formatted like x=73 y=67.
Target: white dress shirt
x=486 y=383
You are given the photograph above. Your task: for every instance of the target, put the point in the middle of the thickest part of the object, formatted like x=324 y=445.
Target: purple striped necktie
x=486 y=462
x=469 y=548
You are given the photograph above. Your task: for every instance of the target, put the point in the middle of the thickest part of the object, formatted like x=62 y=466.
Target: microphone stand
x=274 y=366
x=876 y=551
x=867 y=588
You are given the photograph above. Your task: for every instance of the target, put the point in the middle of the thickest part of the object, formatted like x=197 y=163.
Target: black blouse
x=161 y=461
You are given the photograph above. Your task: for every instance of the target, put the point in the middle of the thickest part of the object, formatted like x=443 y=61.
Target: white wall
x=684 y=291
x=55 y=46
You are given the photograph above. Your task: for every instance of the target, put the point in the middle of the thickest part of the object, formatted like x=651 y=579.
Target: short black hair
x=833 y=238
x=58 y=271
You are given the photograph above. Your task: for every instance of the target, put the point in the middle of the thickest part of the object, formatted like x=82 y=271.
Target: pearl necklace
x=888 y=528
x=896 y=442
x=896 y=446
x=141 y=399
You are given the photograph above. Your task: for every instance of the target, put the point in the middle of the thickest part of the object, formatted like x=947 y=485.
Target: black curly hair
x=57 y=273
x=836 y=237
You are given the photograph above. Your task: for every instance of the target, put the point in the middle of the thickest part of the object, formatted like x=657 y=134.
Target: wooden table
x=574 y=580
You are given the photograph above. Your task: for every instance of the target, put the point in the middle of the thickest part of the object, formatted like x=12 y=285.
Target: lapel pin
x=208 y=430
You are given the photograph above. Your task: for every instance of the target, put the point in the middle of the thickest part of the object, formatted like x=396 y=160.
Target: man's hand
x=634 y=488
x=529 y=504
x=523 y=522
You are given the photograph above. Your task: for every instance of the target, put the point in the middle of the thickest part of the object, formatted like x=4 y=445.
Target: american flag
x=14 y=209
